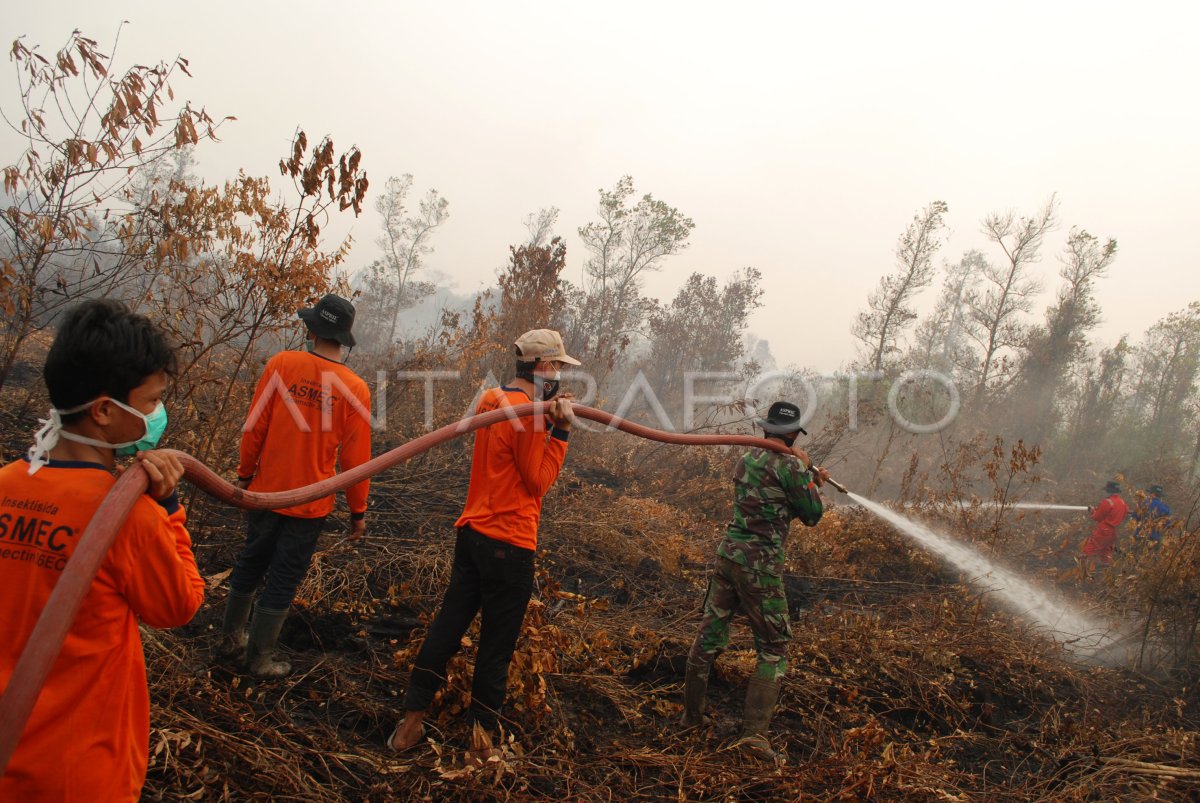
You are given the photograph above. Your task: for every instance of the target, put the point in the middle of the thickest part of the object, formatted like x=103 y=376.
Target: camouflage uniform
x=770 y=490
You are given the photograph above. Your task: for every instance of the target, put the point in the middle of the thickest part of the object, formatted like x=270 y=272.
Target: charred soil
x=904 y=684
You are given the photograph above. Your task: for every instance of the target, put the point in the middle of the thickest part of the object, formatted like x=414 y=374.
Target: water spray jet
x=1081 y=635
x=1035 y=506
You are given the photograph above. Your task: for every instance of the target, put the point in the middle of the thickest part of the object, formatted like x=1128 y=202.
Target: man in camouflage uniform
x=770 y=489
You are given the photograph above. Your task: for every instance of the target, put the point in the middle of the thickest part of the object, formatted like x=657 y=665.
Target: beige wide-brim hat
x=543 y=345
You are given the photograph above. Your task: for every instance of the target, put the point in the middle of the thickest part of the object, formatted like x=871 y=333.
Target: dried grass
x=903 y=685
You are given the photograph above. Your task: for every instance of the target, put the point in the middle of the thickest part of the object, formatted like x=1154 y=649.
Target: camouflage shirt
x=770 y=489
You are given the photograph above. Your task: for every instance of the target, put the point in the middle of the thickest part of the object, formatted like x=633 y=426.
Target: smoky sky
x=800 y=137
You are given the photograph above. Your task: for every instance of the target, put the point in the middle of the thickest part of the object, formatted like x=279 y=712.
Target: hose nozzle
x=837 y=485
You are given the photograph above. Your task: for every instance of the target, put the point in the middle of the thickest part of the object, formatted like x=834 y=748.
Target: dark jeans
x=280 y=548
x=487 y=574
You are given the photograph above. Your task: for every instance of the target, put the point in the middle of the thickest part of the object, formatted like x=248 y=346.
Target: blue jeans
x=496 y=577
x=279 y=548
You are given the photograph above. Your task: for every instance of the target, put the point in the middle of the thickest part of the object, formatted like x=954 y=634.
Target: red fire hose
x=48 y=634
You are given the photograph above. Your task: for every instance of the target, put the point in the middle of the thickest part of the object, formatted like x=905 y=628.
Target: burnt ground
x=904 y=684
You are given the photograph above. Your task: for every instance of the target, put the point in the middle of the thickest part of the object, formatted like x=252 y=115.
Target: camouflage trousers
x=760 y=595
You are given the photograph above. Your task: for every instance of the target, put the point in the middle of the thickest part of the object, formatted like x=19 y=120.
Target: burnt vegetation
x=906 y=682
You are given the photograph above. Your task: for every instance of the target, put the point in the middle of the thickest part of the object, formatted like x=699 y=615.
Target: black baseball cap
x=782 y=419
x=332 y=318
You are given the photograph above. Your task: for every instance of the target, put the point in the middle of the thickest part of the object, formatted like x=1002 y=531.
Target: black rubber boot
x=695 y=687
x=233 y=630
x=264 y=632
x=761 y=697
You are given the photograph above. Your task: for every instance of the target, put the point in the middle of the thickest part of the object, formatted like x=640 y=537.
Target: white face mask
x=47 y=437
x=549 y=372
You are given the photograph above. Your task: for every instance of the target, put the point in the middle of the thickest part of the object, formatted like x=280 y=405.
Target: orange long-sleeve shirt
x=514 y=463
x=305 y=410
x=88 y=735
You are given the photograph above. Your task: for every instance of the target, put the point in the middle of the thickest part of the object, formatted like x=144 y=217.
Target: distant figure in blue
x=1152 y=516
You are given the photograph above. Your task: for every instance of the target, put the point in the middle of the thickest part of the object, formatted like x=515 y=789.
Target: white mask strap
x=46 y=438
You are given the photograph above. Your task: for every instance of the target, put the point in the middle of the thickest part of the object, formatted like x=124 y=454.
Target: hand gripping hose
x=51 y=628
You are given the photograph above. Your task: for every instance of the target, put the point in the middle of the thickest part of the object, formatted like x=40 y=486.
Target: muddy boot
x=233 y=630
x=695 y=686
x=264 y=632
x=761 y=696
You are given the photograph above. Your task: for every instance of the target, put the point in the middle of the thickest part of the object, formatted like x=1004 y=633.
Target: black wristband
x=170 y=504
x=245 y=479
x=560 y=434
x=358 y=516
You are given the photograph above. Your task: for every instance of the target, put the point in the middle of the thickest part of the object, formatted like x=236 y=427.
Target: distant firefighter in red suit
x=1108 y=515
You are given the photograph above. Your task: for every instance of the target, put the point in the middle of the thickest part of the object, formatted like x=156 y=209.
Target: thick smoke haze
x=801 y=138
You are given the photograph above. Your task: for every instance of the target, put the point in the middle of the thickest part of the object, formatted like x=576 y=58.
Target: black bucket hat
x=1112 y=487
x=332 y=318
x=782 y=419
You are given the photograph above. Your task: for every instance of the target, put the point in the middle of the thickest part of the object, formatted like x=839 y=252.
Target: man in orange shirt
x=88 y=735
x=513 y=466
x=309 y=413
